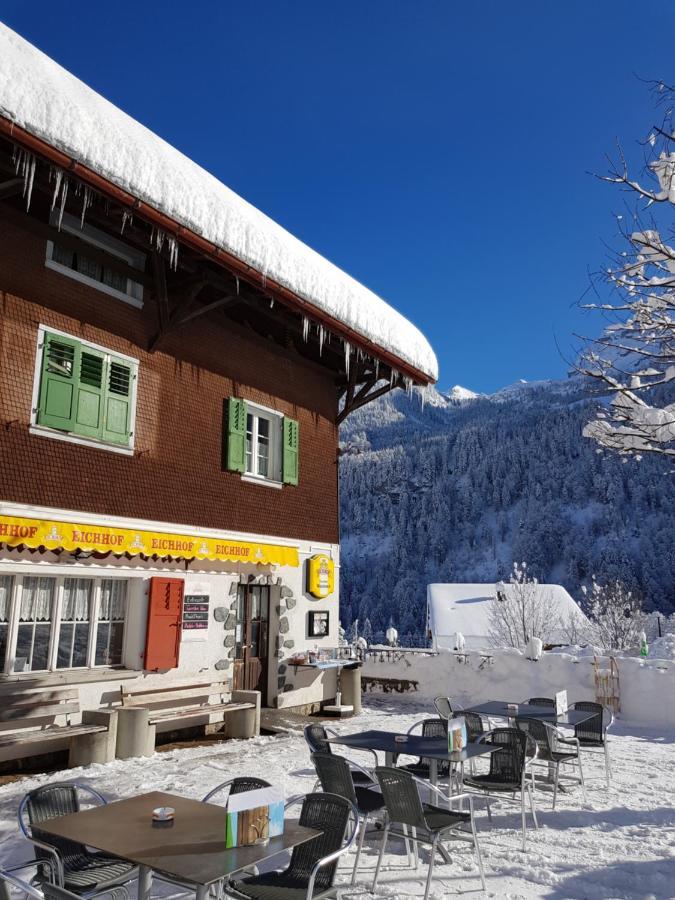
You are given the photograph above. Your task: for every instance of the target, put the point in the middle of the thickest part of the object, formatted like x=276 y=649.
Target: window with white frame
x=263 y=441
x=77 y=265
x=52 y=623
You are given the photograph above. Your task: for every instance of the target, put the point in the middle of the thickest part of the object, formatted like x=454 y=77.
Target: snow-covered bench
x=143 y=709
x=35 y=721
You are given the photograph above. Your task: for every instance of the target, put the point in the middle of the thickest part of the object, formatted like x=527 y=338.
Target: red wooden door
x=162 y=637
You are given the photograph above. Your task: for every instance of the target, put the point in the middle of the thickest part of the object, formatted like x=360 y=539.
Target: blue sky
x=437 y=151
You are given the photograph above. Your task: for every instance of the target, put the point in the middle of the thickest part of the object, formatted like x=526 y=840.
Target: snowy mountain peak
x=458 y=395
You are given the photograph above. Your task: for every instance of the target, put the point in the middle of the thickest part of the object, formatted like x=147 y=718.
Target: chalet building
x=174 y=367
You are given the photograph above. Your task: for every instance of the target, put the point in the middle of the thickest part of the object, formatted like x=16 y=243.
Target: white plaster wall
x=647 y=687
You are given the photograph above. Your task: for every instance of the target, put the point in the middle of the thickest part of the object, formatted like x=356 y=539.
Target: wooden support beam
x=365 y=395
x=72 y=242
x=11 y=188
x=222 y=301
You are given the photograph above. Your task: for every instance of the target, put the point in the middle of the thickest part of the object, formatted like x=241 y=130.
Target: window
x=76 y=264
x=50 y=623
x=261 y=444
x=85 y=390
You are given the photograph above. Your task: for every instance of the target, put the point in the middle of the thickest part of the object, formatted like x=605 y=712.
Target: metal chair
x=310 y=874
x=317 y=741
x=592 y=734
x=74 y=866
x=45 y=889
x=335 y=777
x=445 y=707
x=430 y=728
x=429 y=824
x=509 y=770
x=475 y=728
x=237 y=786
x=553 y=750
x=539 y=701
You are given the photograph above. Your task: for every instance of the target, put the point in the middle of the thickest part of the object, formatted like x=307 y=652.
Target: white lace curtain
x=77 y=593
x=37 y=595
x=113 y=600
x=6 y=582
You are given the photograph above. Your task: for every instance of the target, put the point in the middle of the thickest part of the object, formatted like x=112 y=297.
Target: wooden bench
x=34 y=721
x=142 y=709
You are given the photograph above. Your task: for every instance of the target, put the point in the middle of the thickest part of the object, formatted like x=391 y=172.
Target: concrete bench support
x=135 y=734
x=98 y=747
x=244 y=723
x=350 y=685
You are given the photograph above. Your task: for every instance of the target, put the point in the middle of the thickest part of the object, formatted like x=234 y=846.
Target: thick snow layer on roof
x=50 y=103
x=464 y=608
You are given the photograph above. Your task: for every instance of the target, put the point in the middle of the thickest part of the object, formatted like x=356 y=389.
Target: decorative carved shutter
x=58 y=382
x=290 y=451
x=162 y=638
x=236 y=435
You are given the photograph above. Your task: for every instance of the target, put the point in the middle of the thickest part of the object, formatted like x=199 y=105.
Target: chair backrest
x=540 y=732
x=335 y=775
x=474 y=726
x=317 y=739
x=444 y=707
x=237 y=786
x=329 y=814
x=401 y=797
x=540 y=701
x=58 y=799
x=592 y=729
x=433 y=728
x=508 y=763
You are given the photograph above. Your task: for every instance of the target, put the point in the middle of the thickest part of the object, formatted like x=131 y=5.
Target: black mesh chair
x=509 y=770
x=422 y=768
x=41 y=888
x=73 y=866
x=310 y=874
x=428 y=824
x=335 y=777
x=475 y=729
x=237 y=786
x=553 y=751
x=539 y=701
x=592 y=734
x=317 y=741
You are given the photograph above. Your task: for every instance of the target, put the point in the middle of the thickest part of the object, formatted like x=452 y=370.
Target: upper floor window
x=84 y=391
x=49 y=623
x=76 y=264
x=261 y=443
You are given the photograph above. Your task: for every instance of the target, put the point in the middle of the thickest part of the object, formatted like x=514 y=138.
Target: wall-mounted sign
x=320 y=575
x=196 y=612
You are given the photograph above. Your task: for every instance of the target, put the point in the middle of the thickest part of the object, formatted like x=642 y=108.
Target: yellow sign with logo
x=53 y=535
x=320 y=575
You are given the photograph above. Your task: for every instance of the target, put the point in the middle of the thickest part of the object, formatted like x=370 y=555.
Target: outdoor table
x=190 y=849
x=499 y=709
x=434 y=749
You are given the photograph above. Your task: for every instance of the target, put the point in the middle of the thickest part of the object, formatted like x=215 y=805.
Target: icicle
x=57 y=175
x=322 y=335
x=64 y=194
x=173 y=253
x=377 y=370
x=127 y=218
x=236 y=278
x=87 y=200
x=25 y=162
x=393 y=375
x=305 y=328
x=157 y=238
x=348 y=353
x=408 y=385
x=271 y=302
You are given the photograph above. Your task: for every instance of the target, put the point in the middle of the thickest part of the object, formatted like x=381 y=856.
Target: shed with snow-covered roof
x=464 y=609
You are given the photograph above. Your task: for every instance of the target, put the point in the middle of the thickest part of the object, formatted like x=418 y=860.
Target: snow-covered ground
x=620 y=844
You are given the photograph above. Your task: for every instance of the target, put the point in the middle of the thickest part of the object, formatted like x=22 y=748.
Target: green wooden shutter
x=290 y=451
x=90 y=393
x=236 y=435
x=58 y=382
x=116 y=422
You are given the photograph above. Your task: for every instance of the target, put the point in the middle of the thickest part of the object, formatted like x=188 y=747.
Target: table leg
x=202 y=892
x=433 y=772
x=388 y=758
x=144 y=882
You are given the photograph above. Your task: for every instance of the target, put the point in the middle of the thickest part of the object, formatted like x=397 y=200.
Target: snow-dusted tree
x=520 y=610
x=616 y=613
x=577 y=629
x=634 y=360
x=367 y=633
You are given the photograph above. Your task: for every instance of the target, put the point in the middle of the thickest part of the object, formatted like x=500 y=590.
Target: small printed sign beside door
x=195 y=616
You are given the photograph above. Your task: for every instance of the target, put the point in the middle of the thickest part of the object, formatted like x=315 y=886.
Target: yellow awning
x=55 y=535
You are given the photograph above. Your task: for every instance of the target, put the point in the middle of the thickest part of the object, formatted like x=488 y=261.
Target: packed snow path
x=621 y=844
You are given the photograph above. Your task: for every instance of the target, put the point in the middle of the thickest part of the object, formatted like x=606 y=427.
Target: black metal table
x=434 y=749
x=503 y=709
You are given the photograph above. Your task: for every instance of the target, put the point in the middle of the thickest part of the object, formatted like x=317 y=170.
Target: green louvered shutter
x=116 y=424
x=58 y=382
x=291 y=451
x=236 y=435
x=89 y=393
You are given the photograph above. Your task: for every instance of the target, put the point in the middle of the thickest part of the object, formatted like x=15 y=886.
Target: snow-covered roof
x=50 y=103
x=464 y=608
